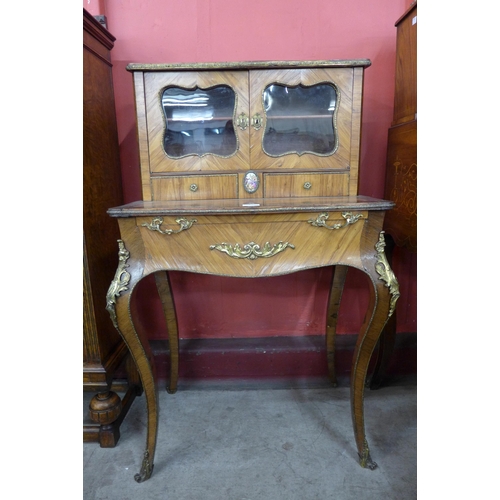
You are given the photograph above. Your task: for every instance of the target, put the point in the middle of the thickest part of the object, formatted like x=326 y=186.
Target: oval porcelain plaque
x=251 y=182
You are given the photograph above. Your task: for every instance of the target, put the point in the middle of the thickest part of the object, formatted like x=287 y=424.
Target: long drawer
x=251 y=245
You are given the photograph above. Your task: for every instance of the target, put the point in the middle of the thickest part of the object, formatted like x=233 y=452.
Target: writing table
x=252 y=238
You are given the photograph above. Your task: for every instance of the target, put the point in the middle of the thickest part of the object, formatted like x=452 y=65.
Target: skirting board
x=274 y=357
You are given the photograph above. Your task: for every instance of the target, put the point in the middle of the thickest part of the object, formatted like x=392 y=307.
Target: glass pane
x=299 y=119
x=199 y=121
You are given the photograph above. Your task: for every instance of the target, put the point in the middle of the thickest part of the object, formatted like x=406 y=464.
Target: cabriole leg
x=387 y=339
x=338 y=281
x=384 y=293
x=128 y=274
x=167 y=301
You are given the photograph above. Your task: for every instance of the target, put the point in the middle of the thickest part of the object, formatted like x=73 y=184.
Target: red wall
x=243 y=30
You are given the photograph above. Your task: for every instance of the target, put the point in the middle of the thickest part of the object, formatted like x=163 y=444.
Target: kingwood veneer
x=255 y=187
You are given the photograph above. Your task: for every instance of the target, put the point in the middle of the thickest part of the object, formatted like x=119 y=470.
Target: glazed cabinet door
x=196 y=120
x=301 y=118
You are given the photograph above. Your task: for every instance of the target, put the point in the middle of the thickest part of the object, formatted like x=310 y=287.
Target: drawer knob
x=307 y=185
x=193 y=187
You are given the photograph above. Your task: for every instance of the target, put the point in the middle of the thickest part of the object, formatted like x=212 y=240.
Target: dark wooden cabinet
x=103 y=349
x=401 y=173
x=400 y=223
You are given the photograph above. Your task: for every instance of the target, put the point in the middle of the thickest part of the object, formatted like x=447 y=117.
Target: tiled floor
x=264 y=442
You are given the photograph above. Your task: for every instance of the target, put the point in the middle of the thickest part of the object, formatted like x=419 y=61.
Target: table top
x=199 y=66
x=249 y=206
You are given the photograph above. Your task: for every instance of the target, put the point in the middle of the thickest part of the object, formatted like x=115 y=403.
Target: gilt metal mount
x=158 y=221
x=365 y=460
x=251 y=250
x=349 y=217
x=385 y=272
x=257 y=121
x=242 y=121
x=119 y=283
x=146 y=469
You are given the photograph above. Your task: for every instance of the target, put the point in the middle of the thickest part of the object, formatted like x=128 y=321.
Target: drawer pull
x=307 y=185
x=193 y=187
x=251 y=250
x=349 y=217
x=158 y=221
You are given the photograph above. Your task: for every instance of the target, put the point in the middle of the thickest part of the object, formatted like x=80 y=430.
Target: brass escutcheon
x=242 y=121
x=257 y=121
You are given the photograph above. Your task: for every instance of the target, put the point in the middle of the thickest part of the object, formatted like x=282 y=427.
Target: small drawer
x=195 y=187
x=299 y=185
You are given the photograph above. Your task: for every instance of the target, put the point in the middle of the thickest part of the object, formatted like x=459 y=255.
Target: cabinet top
x=254 y=206
x=408 y=11
x=338 y=63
